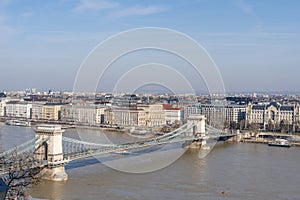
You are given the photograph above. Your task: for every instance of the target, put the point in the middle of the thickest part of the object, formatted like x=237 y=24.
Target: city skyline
x=254 y=44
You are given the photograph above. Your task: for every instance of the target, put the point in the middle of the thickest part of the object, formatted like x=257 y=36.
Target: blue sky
x=255 y=44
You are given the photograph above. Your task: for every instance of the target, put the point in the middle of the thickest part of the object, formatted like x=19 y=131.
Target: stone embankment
x=266 y=137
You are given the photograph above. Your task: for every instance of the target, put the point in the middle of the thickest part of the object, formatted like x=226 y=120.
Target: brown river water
x=230 y=171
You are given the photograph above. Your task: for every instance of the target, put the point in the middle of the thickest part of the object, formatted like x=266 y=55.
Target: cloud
x=248 y=9
x=117 y=10
x=136 y=11
x=245 y=7
x=94 y=5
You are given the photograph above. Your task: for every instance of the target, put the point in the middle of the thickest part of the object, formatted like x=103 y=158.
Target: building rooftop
x=273 y=103
x=171 y=107
x=2 y=95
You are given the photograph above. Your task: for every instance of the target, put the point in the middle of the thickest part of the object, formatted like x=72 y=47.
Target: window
x=272 y=115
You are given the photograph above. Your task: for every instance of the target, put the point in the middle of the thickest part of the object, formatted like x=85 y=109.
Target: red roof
x=171 y=107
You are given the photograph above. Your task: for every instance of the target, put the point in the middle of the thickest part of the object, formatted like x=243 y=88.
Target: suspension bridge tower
x=199 y=121
x=50 y=152
x=198 y=130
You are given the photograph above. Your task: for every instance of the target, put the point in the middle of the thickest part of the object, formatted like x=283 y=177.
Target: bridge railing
x=16 y=148
x=74 y=149
x=28 y=146
x=215 y=133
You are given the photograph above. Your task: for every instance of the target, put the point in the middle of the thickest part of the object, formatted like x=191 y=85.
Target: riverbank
x=247 y=137
x=66 y=124
x=136 y=131
x=254 y=140
x=267 y=137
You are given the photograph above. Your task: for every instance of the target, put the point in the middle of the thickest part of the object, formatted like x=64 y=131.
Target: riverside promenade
x=266 y=137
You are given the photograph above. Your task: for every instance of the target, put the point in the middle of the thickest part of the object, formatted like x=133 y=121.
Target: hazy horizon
x=154 y=91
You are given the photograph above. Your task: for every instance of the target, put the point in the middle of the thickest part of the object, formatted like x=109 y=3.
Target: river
x=230 y=171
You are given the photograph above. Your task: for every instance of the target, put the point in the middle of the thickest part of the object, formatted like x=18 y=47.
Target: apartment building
x=128 y=117
x=85 y=114
x=2 y=106
x=37 y=110
x=154 y=114
x=220 y=113
x=18 y=109
x=193 y=109
x=51 y=111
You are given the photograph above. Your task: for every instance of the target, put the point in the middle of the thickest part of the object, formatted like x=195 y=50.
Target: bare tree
x=233 y=125
x=253 y=127
x=242 y=124
x=20 y=171
x=297 y=126
x=270 y=126
x=226 y=125
x=283 y=126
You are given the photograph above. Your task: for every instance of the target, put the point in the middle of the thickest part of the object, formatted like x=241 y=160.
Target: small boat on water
x=15 y=122
x=122 y=152
x=280 y=143
x=139 y=132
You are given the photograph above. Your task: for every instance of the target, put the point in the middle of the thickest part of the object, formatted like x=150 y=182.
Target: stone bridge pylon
x=198 y=130
x=50 y=152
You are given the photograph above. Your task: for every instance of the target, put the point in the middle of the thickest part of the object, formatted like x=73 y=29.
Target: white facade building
x=216 y=113
x=129 y=117
x=85 y=114
x=194 y=109
x=37 y=110
x=173 y=114
x=2 y=106
x=272 y=113
x=154 y=114
x=18 y=109
x=67 y=113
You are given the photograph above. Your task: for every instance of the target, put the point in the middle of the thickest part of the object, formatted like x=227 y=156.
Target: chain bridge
x=53 y=151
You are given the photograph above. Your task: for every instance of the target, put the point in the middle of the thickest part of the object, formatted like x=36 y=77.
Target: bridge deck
x=75 y=149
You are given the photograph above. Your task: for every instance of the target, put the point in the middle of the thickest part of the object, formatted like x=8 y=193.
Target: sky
x=255 y=44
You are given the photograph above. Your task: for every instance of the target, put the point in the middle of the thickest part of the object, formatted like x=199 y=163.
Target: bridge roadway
x=123 y=148
x=92 y=149
x=180 y=135
x=76 y=149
